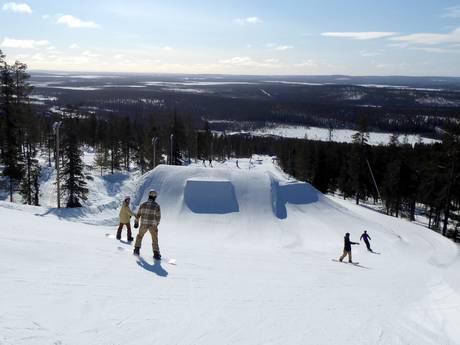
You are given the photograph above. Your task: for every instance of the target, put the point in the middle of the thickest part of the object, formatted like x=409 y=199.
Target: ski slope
x=253 y=250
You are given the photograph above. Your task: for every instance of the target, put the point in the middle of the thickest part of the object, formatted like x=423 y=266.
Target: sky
x=290 y=37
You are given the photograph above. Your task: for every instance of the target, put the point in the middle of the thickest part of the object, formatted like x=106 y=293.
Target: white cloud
x=363 y=35
x=249 y=20
x=89 y=54
x=365 y=53
x=283 y=47
x=73 y=46
x=73 y=22
x=23 y=44
x=46 y=16
x=119 y=57
x=167 y=48
x=16 y=8
x=249 y=62
x=429 y=38
x=307 y=63
x=452 y=12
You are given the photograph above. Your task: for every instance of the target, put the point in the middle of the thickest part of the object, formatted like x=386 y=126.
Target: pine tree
x=101 y=158
x=74 y=186
x=11 y=109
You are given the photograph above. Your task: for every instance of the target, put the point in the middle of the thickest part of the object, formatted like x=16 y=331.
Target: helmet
x=127 y=198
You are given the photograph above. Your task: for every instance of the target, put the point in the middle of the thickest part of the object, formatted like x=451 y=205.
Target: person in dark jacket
x=365 y=237
x=347 y=248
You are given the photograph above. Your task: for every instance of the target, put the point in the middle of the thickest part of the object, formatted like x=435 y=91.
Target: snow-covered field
x=338 y=135
x=253 y=250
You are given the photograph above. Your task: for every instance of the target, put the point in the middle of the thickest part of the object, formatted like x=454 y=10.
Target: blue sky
x=355 y=37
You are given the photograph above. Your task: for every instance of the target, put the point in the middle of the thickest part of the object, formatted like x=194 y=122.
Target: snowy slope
x=254 y=252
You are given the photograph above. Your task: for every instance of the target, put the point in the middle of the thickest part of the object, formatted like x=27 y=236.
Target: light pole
x=172 y=140
x=154 y=143
x=56 y=127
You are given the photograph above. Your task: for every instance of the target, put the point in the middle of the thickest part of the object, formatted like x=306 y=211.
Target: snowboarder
x=125 y=219
x=366 y=239
x=347 y=248
x=150 y=214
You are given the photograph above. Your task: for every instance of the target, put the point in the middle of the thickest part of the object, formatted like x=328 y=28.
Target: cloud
x=73 y=22
x=23 y=44
x=249 y=62
x=89 y=54
x=363 y=35
x=307 y=63
x=365 y=53
x=167 y=48
x=16 y=8
x=452 y=12
x=73 y=46
x=429 y=38
x=279 y=47
x=249 y=20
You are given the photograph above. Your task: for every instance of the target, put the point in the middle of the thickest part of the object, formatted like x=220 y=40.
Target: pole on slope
x=56 y=127
x=171 y=155
x=154 y=143
x=373 y=179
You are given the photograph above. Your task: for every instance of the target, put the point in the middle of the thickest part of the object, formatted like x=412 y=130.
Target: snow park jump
x=253 y=250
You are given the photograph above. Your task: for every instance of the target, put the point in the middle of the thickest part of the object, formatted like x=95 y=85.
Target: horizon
x=33 y=71
x=297 y=38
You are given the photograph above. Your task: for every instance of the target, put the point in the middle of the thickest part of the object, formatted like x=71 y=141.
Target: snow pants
x=153 y=232
x=368 y=245
x=120 y=228
x=345 y=253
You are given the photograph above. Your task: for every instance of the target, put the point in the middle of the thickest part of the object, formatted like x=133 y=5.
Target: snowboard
x=346 y=262
x=169 y=261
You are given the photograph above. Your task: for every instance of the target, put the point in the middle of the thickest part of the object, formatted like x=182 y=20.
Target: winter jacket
x=365 y=237
x=150 y=213
x=347 y=244
x=125 y=214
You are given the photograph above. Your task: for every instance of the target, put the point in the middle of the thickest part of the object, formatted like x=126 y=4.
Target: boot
x=156 y=255
x=130 y=239
x=136 y=251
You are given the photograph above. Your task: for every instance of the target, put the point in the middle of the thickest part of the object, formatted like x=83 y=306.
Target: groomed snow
x=260 y=273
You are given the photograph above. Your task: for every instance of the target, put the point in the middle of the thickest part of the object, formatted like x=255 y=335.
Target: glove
x=136 y=224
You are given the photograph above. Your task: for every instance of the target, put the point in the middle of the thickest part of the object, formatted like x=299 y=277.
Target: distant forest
x=409 y=180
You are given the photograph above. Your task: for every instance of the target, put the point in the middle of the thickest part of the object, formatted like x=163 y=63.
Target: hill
x=253 y=250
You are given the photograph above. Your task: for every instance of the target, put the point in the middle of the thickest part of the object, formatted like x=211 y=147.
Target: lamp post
x=154 y=143
x=171 y=157
x=56 y=127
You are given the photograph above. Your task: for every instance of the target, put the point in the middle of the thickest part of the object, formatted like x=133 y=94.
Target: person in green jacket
x=125 y=219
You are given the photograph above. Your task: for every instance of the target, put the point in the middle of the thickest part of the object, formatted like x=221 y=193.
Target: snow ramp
x=261 y=205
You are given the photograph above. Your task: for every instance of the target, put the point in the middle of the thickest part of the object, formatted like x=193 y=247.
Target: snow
x=253 y=249
x=338 y=135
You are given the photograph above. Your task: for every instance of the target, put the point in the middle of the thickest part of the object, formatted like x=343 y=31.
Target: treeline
x=408 y=179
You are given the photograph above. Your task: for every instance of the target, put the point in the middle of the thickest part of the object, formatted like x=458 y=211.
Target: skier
x=347 y=248
x=366 y=239
x=150 y=214
x=125 y=219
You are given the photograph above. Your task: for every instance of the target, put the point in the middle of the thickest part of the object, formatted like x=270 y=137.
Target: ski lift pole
x=171 y=157
x=154 y=142
x=373 y=179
